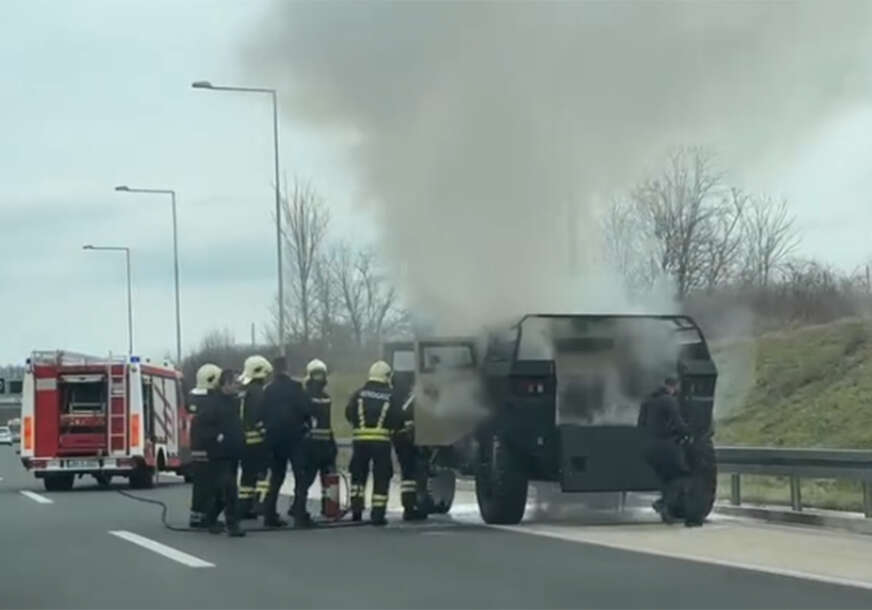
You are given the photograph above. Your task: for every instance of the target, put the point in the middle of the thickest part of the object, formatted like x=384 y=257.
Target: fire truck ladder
x=118 y=406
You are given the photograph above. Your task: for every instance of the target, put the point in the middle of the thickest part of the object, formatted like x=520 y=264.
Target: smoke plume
x=484 y=134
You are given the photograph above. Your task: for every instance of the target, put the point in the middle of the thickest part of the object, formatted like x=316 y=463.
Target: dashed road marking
x=162 y=549
x=36 y=497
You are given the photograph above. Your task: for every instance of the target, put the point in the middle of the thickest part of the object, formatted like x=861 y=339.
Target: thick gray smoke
x=479 y=126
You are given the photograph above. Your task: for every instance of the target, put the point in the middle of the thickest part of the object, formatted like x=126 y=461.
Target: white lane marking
x=36 y=497
x=833 y=580
x=162 y=549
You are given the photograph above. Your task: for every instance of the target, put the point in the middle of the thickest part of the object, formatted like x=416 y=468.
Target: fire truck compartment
x=82 y=417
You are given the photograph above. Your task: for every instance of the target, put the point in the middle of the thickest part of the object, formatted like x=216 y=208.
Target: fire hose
x=336 y=520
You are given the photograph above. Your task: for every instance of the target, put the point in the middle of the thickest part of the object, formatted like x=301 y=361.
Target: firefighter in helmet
x=374 y=412
x=253 y=484
x=198 y=402
x=320 y=445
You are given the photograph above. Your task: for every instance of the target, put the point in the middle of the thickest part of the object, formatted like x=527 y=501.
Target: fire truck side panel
x=46 y=413
x=137 y=417
x=28 y=399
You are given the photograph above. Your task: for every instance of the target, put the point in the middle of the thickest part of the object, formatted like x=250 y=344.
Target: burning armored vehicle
x=551 y=398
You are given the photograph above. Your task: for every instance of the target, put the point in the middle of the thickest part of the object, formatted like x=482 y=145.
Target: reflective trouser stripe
x=409 y=485
x=321 y=434
x=262 y=489
x=379 y=500
x=246 y=492
x=356 y=491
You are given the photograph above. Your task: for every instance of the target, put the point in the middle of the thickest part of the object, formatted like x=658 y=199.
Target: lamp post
x=129 y=291
x=172 y=194
x=202 y=84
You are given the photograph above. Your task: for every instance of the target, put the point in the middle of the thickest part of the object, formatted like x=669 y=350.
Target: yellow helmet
x=207 y=376
x=255 y=367
x=380 y=372
x=315 y=366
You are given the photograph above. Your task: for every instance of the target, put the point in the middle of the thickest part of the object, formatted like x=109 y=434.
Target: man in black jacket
x=224 y=439
x=287 y=411
x=665 y=436
x=198 y=399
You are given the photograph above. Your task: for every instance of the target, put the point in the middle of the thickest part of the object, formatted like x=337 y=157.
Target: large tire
x=442 y=485
x=59 y=482
x=103 y=480
x=142 y=477
x=500 y=483
x=701 y=489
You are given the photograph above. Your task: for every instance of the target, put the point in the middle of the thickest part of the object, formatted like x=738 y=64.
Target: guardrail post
x=867 y=499
x=735 y=489
x=795 y=494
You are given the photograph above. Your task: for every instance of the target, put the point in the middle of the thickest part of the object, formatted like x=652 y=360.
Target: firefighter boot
x=377 y=515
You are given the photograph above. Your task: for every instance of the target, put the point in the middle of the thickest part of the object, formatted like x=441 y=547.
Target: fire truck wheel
x=500 y=482
x=103 y=480
x=59 y=482
x=142 y=477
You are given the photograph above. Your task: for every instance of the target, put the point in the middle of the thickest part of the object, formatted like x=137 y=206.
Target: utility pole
x=252 y=335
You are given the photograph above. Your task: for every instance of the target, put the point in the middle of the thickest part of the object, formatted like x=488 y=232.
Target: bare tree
x=724 y=239
x=327 y=295
x=770 y=239
x=369 y=301
x=305 y=228
x=681 y=210
x=628 y=247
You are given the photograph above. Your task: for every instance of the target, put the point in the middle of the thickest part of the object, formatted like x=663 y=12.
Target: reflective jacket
x=251 y=413
x=374 y=412
x=321 y=404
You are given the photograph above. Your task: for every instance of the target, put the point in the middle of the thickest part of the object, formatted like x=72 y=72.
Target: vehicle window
x=4 y=430
x=403 y=361
x=435 y=357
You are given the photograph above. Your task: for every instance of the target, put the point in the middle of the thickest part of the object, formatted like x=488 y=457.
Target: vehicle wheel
x=500 y=483
x=442 y=485
x=189 y=478
x=702 y=486
x=103 y=480
x=59 y=482
x=142 y=477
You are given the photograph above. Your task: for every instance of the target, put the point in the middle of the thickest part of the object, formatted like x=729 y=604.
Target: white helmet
x=207 y=376
x=255 y=367
x=315 y=366
x=380 y=372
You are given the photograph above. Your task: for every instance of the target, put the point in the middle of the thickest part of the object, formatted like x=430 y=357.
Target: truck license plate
x=82 y=464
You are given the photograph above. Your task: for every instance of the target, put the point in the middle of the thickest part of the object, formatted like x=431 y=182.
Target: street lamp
x=204 y=84
x=129 y=299
x=172 y=194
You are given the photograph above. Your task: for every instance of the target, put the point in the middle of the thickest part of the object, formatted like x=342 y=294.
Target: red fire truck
x=102 y=416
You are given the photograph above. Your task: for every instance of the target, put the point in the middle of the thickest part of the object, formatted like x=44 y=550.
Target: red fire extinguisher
x=330 y=506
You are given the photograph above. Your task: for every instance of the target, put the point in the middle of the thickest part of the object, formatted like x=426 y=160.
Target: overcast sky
x=97 y=93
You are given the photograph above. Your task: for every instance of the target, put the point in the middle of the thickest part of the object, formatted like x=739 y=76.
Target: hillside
x=810 y=387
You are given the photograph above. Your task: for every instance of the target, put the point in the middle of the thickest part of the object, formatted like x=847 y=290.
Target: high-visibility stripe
x=409 y=485
x=371 y=436
x=321 y=434
x=379 y=500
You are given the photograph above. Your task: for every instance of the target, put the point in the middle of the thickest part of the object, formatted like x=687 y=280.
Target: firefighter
x=253 y=484
x=374 y=413
x=207 y=382
x=665 y=436
x=225 y=442
x=407 y=456
x=287 y=413
x=320 y=445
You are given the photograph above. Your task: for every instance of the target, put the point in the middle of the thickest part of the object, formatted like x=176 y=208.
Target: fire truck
x=103 y=417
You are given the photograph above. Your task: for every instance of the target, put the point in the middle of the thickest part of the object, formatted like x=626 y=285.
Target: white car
x=5 y=435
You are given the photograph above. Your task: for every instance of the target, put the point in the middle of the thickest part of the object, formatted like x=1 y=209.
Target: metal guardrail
x=797 y=464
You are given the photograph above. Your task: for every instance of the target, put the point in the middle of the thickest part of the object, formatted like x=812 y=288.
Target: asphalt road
x=58 y=550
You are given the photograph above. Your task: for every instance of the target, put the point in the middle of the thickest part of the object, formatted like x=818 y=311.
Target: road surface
x=93 y=548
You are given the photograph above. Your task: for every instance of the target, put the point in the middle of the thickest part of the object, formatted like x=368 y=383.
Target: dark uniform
x=408 y=458
x=224 y=439
x=253 y=484
x=374 y=413
x=320 y=444
x=197 y=402
x=286 y=413
x=665 y=434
